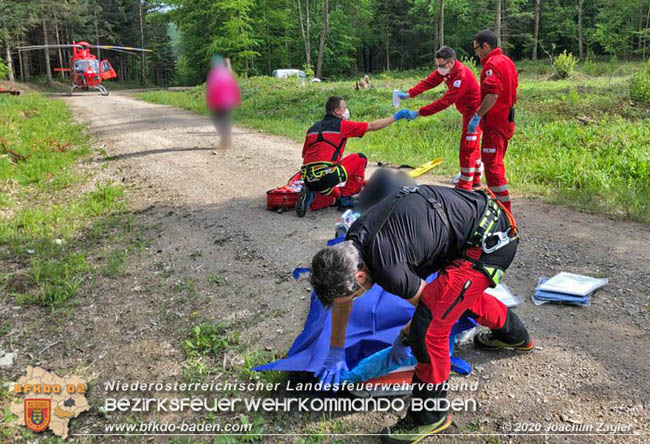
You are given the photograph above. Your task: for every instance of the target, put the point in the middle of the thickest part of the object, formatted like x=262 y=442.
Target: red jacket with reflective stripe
x=334 y=132
x=462 y=90
x=499 y=76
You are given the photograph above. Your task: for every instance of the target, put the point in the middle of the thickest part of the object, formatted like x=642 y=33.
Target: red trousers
x=493 y=151
x=469 y=157
x=355 y=166
x=444 y=302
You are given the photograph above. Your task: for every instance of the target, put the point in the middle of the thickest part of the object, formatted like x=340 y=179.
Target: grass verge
x=49 y=209
x=578 y=141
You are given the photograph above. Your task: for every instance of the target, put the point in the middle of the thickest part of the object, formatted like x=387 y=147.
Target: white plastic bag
x=503 y=293
x=574 y=284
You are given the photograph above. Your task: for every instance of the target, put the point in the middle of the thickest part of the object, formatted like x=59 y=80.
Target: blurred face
x=341 y=111
x=481 y=50
x=445 y=66
x=365 y=282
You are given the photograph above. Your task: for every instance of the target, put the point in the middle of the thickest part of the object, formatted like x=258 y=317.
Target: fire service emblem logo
x=37 y=414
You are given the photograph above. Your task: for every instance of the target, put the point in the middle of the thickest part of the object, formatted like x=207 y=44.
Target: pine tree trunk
x=48 y=69
x=142 y=67
x=58 y=42
x=638 y=42
x=99 y=51
x=581 y=52
x=536 y=36
x=323 y=37
x=436 y=36
x=10 y=63
x=647 y=27
x=308 y=41
x=27 y=65
x=305 y=34
x=387 y=51
x=497 y=23
x=268 y=40
x=21 y=64
x=401 y=49
x=441 y=18
x=504 y=23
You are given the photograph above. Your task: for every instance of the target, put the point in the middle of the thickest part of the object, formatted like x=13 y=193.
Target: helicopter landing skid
x=102 y=89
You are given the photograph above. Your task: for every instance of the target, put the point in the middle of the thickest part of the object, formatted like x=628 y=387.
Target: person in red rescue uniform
x=464 y=92
x=496 y=114
x=324 y=167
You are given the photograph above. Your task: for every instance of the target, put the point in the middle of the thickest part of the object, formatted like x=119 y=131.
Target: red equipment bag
x=281 y=198
x=285 y=197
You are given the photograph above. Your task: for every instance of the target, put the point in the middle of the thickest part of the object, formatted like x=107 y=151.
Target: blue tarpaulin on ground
x=375 y=322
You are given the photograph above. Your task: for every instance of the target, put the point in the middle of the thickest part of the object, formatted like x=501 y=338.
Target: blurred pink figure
x=221 y=96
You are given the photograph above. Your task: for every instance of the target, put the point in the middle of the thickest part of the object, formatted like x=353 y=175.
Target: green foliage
x=640 y=86
x=102 y=198
x=471 y=64
x=255 y=358
x=364 y=36
x=56 y=280
x=237 y=35
x=564 y=65
x=211 y=338
x=116 y=263
x=215 y=279
x=162 y=59
x=187 y=286
x=308 y=69
x=5 y=328
x=44 y=138
x=4 y=70
x=41 y=226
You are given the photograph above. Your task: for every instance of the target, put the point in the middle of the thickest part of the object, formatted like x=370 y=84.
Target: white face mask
x=365 y=290
x=346 y=114
x=444 y=71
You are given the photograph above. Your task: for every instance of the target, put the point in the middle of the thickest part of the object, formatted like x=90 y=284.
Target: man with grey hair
x=469 y=239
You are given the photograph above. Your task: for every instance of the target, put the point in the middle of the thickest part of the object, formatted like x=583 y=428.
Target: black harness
x=337 y=149
x=405 y=191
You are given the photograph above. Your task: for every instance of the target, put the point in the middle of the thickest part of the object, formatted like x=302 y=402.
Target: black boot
x=512 y=335
x=418 y=424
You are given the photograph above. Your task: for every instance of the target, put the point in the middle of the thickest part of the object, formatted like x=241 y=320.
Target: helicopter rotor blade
x=35 y=47
x=119 y=48
x=126 y=49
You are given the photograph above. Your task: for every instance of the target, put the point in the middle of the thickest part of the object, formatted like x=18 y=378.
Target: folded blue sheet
x=541 y=296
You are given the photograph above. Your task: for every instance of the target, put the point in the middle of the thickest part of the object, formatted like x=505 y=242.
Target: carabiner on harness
x=503 y=239
x=485 y=233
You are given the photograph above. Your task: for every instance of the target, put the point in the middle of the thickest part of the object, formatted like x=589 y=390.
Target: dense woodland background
x=331 y=38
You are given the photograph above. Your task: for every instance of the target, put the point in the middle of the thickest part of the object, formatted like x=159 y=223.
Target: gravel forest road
x=588 y=372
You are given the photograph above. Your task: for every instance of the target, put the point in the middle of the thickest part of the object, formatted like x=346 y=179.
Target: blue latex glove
x=333 y=366
x=401 y=114
x=412 y=115
x=471 y=126
x=402 y=95
x=400 y=352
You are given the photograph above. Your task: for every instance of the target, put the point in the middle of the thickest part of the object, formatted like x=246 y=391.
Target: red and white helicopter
x=86 y=71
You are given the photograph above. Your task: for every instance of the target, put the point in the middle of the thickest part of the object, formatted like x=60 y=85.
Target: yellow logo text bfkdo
x=49 y=388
